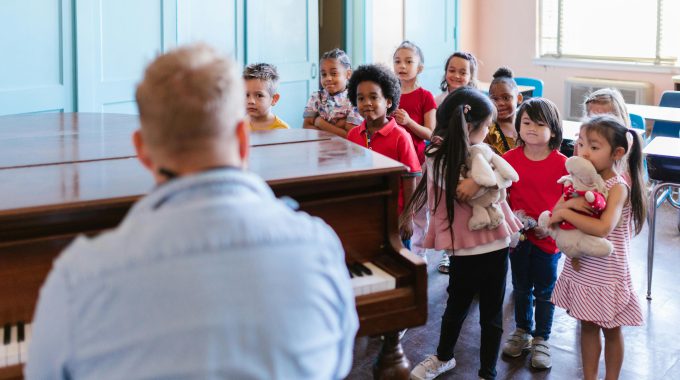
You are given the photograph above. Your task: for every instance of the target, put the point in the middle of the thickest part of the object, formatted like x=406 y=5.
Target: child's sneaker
x=540 y=354
x=431 y=367
x=518 y=341
x=444 y=263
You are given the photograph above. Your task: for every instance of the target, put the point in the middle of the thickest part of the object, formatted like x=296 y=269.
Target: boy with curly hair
x=375 y=91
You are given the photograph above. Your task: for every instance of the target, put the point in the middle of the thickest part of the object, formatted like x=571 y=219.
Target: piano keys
x=91 y=183
x=367 y=278
x=14 y=347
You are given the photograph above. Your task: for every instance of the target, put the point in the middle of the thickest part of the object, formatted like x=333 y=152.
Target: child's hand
x=556 y=217
x=317 y=122
x=466 y=189
x=579 y=204
x=401 y=117
x=540 y=232
x=406 y=229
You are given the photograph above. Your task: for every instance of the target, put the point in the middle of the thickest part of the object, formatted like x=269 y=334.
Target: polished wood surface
x=57 y=138
x=44 y=206
x=671 y=114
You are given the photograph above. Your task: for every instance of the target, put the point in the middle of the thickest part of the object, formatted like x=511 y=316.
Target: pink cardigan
x=440 y=237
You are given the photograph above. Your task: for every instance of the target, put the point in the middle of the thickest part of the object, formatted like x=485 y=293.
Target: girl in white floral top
x=329 y=109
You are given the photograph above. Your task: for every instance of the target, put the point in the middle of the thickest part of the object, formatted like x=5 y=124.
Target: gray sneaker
x=540 y=354
x=518 y=341
x=431 y=367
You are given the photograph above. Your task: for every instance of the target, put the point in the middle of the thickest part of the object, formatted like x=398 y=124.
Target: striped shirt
x=602 y=292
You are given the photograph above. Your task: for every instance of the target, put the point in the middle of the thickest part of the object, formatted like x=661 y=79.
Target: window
x=643 y=31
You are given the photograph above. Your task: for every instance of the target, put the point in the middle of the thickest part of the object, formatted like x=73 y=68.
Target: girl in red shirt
x=416 y=114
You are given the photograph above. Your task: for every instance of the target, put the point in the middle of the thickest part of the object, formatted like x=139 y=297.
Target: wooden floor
x=652 y=351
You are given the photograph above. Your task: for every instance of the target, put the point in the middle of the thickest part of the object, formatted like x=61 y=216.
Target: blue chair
x=537 y=83
x=638 y=122
x=667 y=128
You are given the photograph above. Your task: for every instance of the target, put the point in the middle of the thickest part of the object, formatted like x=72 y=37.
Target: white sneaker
x=431 y=367
x=540 y=354
x=518 y=341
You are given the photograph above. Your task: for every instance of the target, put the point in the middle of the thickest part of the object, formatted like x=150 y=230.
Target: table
x=658 y=113
x=663 y=165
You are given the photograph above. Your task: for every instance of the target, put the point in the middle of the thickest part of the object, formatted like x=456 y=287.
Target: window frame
x=558 y=58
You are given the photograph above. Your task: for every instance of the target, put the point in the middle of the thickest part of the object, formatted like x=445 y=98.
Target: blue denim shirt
x=209 y=276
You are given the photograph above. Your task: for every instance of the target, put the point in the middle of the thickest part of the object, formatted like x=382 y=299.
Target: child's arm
x=466 y=189
x=308 y=123
x=423 y=132
x=409 y=185
x=320 y=123
x=577 y=204
x=592 y=226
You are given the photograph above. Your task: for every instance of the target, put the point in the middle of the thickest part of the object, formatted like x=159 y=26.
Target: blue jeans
x=534 y=274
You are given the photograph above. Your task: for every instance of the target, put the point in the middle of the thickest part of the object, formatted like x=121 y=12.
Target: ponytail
x=449 y=149
x=638 y=198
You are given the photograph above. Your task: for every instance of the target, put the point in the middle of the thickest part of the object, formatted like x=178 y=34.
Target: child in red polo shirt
x=375 y=91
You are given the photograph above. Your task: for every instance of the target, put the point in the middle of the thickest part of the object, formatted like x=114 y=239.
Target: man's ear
x=349 y=73
x=275 y=98
x=140 y=148
x=388 y=101
x=520 y=97
x=243 y=135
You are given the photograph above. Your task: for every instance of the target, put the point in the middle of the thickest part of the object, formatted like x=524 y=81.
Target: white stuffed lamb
x=494 y=175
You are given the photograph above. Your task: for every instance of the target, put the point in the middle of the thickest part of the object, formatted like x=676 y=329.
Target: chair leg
x=653 y=199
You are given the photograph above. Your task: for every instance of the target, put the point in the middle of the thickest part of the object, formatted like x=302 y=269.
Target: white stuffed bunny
x=494 y=175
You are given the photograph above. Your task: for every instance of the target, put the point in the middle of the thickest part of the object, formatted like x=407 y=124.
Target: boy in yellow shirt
x=261 y=81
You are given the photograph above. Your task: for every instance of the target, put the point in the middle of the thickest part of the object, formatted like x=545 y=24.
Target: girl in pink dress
x=480 y=258
x=598 y=291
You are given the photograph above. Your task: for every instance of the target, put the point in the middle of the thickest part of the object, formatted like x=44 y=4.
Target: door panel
x=290 y=40
x=116 y=39
x=218 y=23
x=431 y=25
x=36 y=68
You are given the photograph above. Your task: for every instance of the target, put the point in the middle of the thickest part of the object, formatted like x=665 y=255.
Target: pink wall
x=503 y=33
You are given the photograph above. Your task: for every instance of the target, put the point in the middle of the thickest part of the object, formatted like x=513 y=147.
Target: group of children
x=387 y=111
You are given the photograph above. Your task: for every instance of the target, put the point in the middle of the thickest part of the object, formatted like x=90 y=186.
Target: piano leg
x=391 y=363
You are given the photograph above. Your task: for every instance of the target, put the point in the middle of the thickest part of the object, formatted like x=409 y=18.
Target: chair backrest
x=637 y=121
x=667 y=128
x=537 y=83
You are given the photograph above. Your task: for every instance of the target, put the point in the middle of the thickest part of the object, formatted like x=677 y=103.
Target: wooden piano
x=66 y=174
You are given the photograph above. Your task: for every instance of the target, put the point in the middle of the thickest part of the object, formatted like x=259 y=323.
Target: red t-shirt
x=392 y=141
x=537 y=189
x=417 y=103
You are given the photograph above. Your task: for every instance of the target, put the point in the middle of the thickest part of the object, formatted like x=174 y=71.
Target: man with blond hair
x=208 y=276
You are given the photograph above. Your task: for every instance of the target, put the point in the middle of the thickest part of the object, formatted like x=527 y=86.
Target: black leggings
x=484 y=274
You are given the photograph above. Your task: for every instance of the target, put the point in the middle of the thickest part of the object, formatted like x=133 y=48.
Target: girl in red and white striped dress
x=599 y=291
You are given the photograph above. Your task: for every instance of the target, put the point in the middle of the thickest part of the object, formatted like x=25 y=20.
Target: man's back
x=208 y=277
